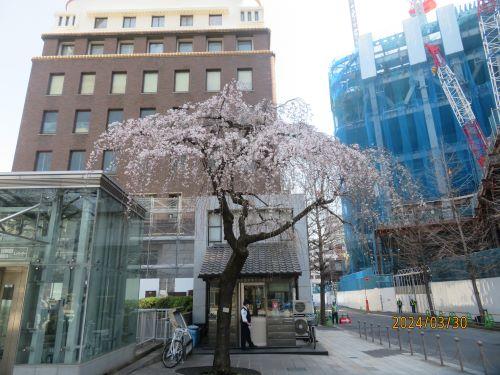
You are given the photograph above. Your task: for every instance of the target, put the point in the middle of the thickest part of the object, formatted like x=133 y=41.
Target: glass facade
x=81 y=248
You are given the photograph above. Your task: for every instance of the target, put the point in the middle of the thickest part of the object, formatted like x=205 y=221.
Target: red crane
x=460 y=104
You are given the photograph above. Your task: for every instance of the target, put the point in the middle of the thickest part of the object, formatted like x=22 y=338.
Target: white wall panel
x=414 y=41
x=367 y=56
x=450 y=32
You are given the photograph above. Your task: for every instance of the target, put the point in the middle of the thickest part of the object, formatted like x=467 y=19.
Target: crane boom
x=460 y=105
x=489 y=25
x=354 y=22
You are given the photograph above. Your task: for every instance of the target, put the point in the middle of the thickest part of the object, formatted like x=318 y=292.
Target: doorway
x=255 y=293
x=12 y=289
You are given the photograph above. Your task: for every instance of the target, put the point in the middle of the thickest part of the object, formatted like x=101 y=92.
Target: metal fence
x=153 y=325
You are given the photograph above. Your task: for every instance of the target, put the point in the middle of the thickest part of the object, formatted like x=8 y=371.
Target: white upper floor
x=85 y=16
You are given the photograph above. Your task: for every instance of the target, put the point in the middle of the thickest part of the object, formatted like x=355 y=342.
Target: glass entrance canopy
x=79 y=237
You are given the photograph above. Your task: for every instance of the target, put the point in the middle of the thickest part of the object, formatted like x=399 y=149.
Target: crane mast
x=354 y=22
x=459 y=104
x=489 y=25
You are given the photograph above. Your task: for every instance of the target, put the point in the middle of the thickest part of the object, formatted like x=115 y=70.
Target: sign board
x=14 y=253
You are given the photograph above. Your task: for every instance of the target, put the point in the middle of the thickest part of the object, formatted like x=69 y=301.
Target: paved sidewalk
x=347 y=355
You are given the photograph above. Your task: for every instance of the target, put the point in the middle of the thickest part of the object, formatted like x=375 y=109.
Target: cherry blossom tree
x=242 y=153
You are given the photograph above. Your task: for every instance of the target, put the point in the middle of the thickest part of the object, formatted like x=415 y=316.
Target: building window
x=49 y=122
x=128 y=22
x=214 y=46
x=213 y=80
x=157 y=21
x=150 y=82
x=215 y=19
x=244 y=45
x=214 y=228
x=56 y=83
x=155 y=47
x=115 y=116
x=186 y=20
x=145 y=112
x=242 y=16
x=66 y=49
x=256 y=16
x=100 y=23
x=96 y=49
x=82 y=122
x=249 y=16
x=181 y=81
x=245 y=79
x=76 y=161
x=43 y=161
x=118 y=83
x=60 y=22
x=87 y=84
x=109 y=162
x=185 y=47
x=126 y=48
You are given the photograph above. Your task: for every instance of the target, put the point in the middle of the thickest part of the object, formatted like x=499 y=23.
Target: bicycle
x=176 y=351
x=312 y=334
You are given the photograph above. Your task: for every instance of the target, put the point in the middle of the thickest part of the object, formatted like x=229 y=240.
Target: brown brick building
x=100 y=65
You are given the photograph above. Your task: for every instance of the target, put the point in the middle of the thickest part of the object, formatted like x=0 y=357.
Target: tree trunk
x=222 y=361
x=428 y=292
x=472 y=273
x=322 y=308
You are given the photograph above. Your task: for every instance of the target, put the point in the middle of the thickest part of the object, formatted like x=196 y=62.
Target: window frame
x=94 y=44
x=185 y=41
x=144 y=81
x=115 y=166
x=150 y=42
x=244 y=40
x=186 y=17
x=206 y=79
x=81 y=83
x=104 y=19
x=113 y=74
x=51 y=77
x=75 y=122
x=73 y=152
x=37 y=158
x=219 y=41
x=175 y=81
x=160 y=24
x=238 y=81
x=125 y=43
x=42 y=126
x=147 y=109
x=221 y=236
x=108 y=123
x=129 y=18
x=211 y=16
x=63 y=45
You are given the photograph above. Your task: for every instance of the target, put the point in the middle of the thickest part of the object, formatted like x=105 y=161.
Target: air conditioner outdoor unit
x=301 y=327
x=302 y=308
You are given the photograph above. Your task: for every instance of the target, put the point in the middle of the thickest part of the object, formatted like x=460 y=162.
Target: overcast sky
x=306 y=36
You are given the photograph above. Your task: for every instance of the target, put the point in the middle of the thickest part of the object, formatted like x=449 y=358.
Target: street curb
x=143 y=359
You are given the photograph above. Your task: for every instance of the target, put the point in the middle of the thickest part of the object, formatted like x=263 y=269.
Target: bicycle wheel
x=172 y=355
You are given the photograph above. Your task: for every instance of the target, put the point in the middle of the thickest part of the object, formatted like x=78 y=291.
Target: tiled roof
x=264 y=259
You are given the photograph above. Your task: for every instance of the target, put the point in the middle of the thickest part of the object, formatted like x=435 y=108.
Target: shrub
x=182 y=303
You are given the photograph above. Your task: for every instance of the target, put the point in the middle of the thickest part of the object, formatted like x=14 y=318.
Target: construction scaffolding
x=402 y=108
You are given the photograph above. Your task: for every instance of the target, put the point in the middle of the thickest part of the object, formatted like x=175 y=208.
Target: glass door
x=12 y=283
x=255 y=293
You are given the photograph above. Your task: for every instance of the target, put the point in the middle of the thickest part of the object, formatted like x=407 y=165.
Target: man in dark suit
x=245 y=324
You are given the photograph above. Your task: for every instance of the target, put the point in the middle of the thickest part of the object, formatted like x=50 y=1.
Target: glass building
x=69 y=272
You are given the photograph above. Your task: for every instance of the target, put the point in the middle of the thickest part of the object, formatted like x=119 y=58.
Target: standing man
x=335 y=314
x=246 y=323
x=413 y=305
x=400 y=306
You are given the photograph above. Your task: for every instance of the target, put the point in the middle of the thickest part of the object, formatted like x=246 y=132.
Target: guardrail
x=153 y=325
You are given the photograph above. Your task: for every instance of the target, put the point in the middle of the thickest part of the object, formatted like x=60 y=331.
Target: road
x=467 y=340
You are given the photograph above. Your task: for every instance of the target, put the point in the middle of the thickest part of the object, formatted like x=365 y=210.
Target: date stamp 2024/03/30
x=433 y=322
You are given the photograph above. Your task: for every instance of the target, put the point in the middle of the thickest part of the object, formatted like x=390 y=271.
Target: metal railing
x=153 y=325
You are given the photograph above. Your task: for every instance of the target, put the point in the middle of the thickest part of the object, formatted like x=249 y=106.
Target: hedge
x=182 y=303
